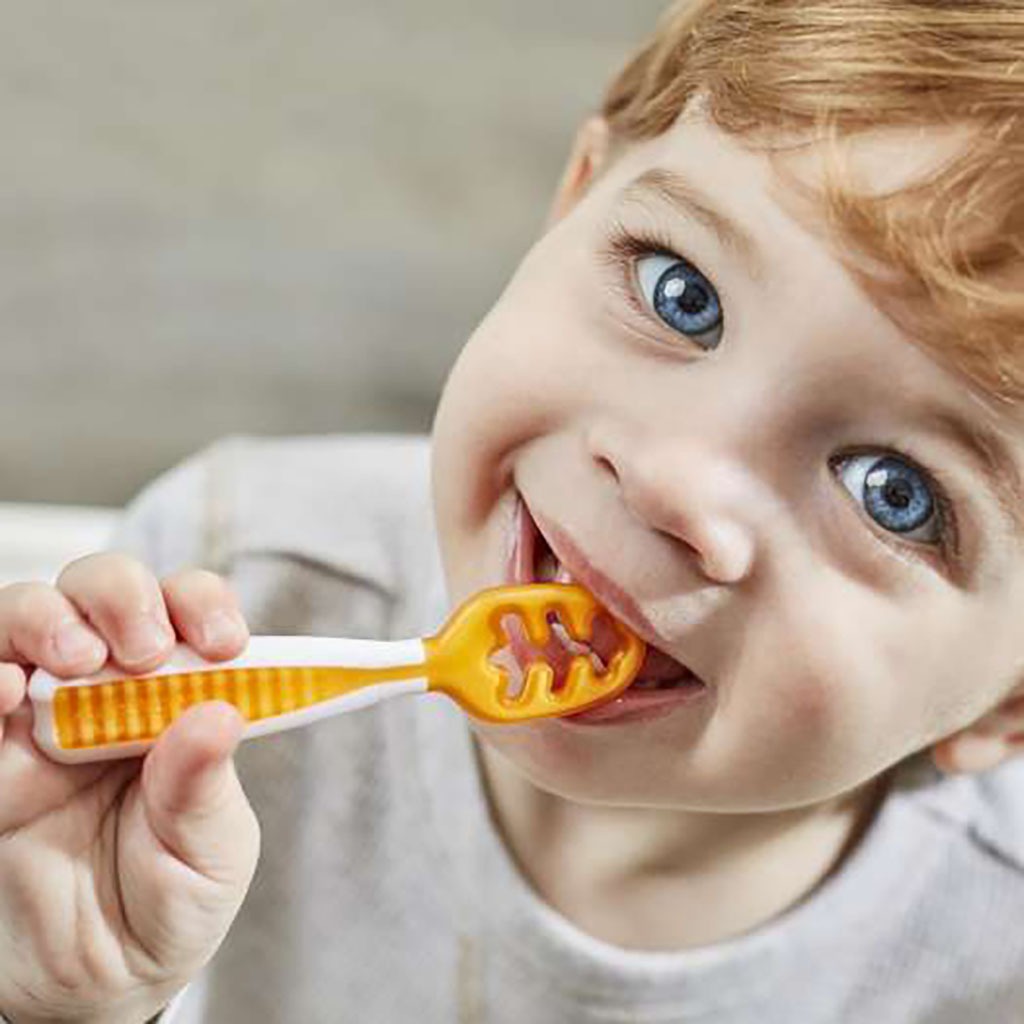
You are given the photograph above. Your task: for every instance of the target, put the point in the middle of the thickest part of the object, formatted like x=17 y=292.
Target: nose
x=683 y=488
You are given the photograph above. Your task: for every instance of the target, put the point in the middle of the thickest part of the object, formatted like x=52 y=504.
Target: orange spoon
x=283 y=682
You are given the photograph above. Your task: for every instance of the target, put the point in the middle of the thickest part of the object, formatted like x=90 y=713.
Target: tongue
x=657 y=666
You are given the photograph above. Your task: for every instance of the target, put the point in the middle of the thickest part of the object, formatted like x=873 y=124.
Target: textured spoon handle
x=278 y=683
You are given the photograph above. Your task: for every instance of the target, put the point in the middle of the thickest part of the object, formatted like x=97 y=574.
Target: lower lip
x=633 y=705
x=637 y=706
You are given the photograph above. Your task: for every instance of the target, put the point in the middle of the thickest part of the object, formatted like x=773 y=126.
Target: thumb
x=194 y=802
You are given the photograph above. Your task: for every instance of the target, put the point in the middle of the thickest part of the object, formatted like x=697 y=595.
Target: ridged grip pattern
x=140 y=709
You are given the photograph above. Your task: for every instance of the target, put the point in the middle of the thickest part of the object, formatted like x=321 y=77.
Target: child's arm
x=118 y=880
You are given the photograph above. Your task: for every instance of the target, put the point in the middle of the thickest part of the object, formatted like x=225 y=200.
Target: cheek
x=505 y=385
x=506 y=389
x=960 y=680
x=831 y=690
x=792 y=735
x=524 y=352
x=513 y=382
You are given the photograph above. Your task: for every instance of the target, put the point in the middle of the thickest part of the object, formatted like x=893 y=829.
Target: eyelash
x=625 y=246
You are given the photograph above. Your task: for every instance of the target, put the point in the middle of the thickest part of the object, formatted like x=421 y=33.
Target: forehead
x=764 y=198
x=791 y=172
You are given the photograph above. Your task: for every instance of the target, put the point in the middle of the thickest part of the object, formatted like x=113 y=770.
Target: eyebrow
x=678 y=191
x=990 y=457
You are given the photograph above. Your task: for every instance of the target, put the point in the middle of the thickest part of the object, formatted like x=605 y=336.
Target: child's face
x=740 y=444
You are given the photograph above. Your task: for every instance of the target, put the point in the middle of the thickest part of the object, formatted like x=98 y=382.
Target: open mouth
x=662 y=680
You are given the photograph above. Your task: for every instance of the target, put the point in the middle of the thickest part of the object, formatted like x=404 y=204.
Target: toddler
x=758 y=387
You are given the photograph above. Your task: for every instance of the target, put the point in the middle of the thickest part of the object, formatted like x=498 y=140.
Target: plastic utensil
x=283 y=682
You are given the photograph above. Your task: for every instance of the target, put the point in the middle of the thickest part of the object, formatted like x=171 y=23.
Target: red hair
x=955 y=238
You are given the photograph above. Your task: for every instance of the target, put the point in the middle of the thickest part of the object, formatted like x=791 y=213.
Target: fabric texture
x=384 y=893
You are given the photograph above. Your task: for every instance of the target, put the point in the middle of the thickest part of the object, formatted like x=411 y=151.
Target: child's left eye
x=897 y=496
x=681 y=296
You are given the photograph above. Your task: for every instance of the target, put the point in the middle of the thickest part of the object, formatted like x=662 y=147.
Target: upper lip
x=620 y=603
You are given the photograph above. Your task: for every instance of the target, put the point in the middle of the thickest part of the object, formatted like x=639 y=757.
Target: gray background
x=234 y=215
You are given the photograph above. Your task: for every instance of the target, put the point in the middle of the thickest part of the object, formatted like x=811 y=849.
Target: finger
x=12 y=692
x=205 y=613
x=12 y=687
x=192 y=794
x=40 y=626
x=122 y=600
x=969 y=753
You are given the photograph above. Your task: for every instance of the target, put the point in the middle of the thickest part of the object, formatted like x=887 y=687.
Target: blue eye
x=896 y=495
x=681 y=296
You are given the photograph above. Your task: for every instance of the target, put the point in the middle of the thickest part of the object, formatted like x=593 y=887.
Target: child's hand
x=118 y=879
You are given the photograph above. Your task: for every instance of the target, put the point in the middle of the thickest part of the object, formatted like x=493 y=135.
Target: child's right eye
x=681 y=296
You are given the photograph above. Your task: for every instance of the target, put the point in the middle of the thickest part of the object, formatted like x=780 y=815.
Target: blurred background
x=244 y=216
x=251 y=216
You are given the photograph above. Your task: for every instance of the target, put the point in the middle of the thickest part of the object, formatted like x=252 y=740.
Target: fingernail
x=221 y=628
x=143 y=639
x=77 y=644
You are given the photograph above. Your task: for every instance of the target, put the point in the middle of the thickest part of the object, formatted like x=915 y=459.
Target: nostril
x=698 y=505
x=605 y=465
x=605 y=445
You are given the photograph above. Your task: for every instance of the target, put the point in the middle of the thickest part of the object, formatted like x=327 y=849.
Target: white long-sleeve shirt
x=384 y=894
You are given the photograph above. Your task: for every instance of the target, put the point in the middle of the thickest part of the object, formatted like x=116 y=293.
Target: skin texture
x=699 y=480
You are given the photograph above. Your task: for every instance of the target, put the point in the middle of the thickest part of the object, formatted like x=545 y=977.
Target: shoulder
x=283 y=515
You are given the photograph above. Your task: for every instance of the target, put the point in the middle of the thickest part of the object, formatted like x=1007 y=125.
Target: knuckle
x=31 y=600
x=34 y=610
x=106 y=565
x=110 y=581
x=191 y=580
x=84 y=566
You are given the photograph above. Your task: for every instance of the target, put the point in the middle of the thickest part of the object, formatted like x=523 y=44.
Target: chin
x=527 y=750
x=608 y=768
x=563 y=766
